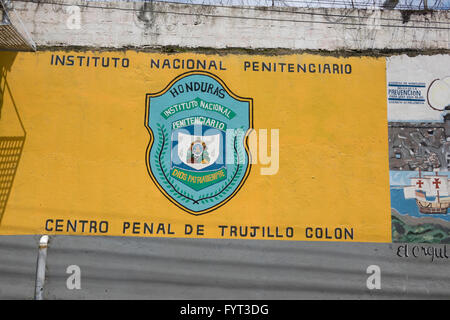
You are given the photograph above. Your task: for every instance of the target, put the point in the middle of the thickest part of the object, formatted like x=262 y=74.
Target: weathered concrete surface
x=18 y=256
x=163 y=268
x=120 y=24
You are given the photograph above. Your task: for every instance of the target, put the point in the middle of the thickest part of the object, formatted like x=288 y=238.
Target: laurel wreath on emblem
x=185 y=196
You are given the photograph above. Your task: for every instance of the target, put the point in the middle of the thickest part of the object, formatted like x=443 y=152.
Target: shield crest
x=198 y=151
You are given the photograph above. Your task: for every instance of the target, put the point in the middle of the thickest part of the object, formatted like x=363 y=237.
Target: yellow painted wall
x=84 y=153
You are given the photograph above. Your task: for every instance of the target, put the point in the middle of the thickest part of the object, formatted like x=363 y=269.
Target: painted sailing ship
x=432 y=186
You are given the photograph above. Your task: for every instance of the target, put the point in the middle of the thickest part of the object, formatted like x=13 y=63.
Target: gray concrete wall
x=164 y=268
x=120 y=24
x=18 y=256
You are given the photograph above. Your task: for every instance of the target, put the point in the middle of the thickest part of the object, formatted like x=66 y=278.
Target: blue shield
x=198 y=153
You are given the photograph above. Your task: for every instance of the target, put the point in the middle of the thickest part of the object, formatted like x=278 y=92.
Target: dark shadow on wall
x=11 y=146
x=6 y=61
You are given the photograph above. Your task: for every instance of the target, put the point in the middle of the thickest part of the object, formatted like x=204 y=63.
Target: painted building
x=176 y=120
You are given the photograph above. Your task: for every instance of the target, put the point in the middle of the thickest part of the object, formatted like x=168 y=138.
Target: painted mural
x=191 y=145
x=419 y=148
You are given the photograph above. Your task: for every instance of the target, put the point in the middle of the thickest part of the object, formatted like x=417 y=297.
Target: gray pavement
x=166 y=268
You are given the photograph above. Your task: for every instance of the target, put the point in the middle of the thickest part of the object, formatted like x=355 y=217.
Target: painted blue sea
x=399 y=179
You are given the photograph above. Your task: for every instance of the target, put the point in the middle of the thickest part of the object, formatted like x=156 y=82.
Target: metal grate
x=10 y=152
x=11 y=39
x=13 y=36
